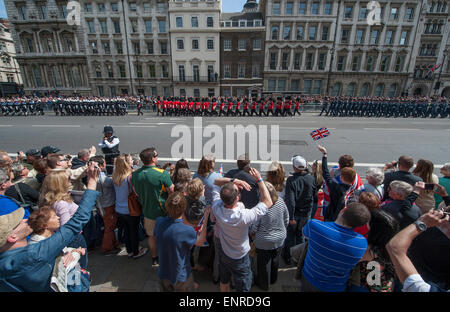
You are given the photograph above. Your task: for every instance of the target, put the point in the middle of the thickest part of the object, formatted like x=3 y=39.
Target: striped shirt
x=333 y=251
x=270 y=229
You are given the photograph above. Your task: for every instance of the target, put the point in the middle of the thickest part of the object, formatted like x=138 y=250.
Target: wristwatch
x=232 y=180
x=422 y=227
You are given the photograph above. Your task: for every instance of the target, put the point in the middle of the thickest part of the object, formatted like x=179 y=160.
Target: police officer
x=110 y=147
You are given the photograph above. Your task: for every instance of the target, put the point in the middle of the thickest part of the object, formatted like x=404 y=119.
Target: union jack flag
x=320 y=134
x=221 y=169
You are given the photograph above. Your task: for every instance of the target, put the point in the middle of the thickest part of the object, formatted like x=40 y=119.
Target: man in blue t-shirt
x=174 y=240
x=334 y=249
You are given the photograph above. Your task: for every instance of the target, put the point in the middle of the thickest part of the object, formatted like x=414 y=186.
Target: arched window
x=393 y=90
x=379 y=90
x=364 y=90
x=351 y=89
x=444 y=7
x=337 y=89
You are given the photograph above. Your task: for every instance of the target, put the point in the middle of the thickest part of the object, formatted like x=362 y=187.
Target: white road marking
x=57 y=126
x=6 y=125
x=392 y=129
x=152 y=123
x=135 y=126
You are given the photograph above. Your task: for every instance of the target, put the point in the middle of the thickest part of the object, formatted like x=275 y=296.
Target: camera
x=429 y=186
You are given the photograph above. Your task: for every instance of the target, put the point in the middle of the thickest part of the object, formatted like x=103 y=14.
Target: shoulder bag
x=134 y=206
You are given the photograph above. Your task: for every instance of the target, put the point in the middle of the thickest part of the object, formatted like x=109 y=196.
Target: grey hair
x=446 y=168
x=376 y=174
x=83 y=153
x=4 y=175
x=401 y=188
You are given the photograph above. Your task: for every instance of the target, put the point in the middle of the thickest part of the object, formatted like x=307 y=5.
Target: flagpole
x=446 y=51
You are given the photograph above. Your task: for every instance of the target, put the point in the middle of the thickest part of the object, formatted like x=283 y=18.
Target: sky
x=227 y=7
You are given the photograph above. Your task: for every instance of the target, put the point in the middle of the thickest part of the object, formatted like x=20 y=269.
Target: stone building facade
x=9 y=68
x=242 y=52
x=195 y=41
x=328 y=47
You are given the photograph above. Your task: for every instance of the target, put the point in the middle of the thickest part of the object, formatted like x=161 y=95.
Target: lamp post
x=329 y=71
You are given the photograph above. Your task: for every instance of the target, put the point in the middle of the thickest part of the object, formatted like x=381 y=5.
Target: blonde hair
x=195 y=189
x=272 y=191
x=206 y=165
x=317 y=173
x=121 y=170
x=277 y=177
x=55 y=188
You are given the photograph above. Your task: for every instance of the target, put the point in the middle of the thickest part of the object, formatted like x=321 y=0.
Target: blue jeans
x=294 y=235
x=240 y=269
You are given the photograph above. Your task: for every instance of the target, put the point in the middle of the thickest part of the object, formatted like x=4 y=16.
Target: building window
x=399 y=63
x=287 y=33
x=409 y=14
x=106 y=47
x=163 y=47
x=300 y=32
x=116 y=27
x=384 y=66
x=152 y=71
x=295 y=85
x=379 y=90
x=392 y=90
x=389 y=35
x=209 y=21
x=196 y=93
x=359 y=36
x=297 y=60
x=194 y=21
x=43 y=12
x=370 y=63
x=109 y=69
x=276 y=8
x=227 y=45
x=289 y=6
x=94 y=47
x=98 y=71
x=355 y=63
x=337 y=89
x=374 y=36
x=147 y=7
x=312 y=32
x=210 y=44
x=364 y=90
x=195 y=45
x=139 y=70
x=104 y=27
x=150 y=47
x=211 y=92
x=272 y=83
x=257 y=44
x=363 y=12
x=394 y=14
x=91 y=27
x=179 y=21
x=307 y=85
x=344 y=37
x=181 y=73
x=273 y=60
x=302 y=8
x=112 y=90
x=133 y=6
x=63 y=8
x=88 y=7
x=227 y=71
x=114 y=8
x=241 y=70
x=328 y=8
x=122 y=71
x=101 y=91
x=241 y=44
x=164 y=71
x=309 y=61
x=180 y=44
x=285 y=61
x=281 y=85
x=404 y=37
x=134 y=26
x=162 y=26
x=148 y=26
x=322 y=59
x=255 y=70
x=23 y=12
x=351 y=89
x=317 y=87
x=324 y=33
x=274 y=32
x=315 y=8
x=340 y=63
x=101 y=7
x=137 y=48
x=348 y=12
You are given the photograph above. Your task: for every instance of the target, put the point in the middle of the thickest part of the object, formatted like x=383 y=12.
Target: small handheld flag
x=320 y=134
x=221 y=169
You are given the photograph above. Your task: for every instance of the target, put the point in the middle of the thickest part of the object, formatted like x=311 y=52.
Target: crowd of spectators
x=239 y=226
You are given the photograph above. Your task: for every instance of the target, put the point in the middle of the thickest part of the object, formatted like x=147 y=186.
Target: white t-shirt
x=415 y=283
